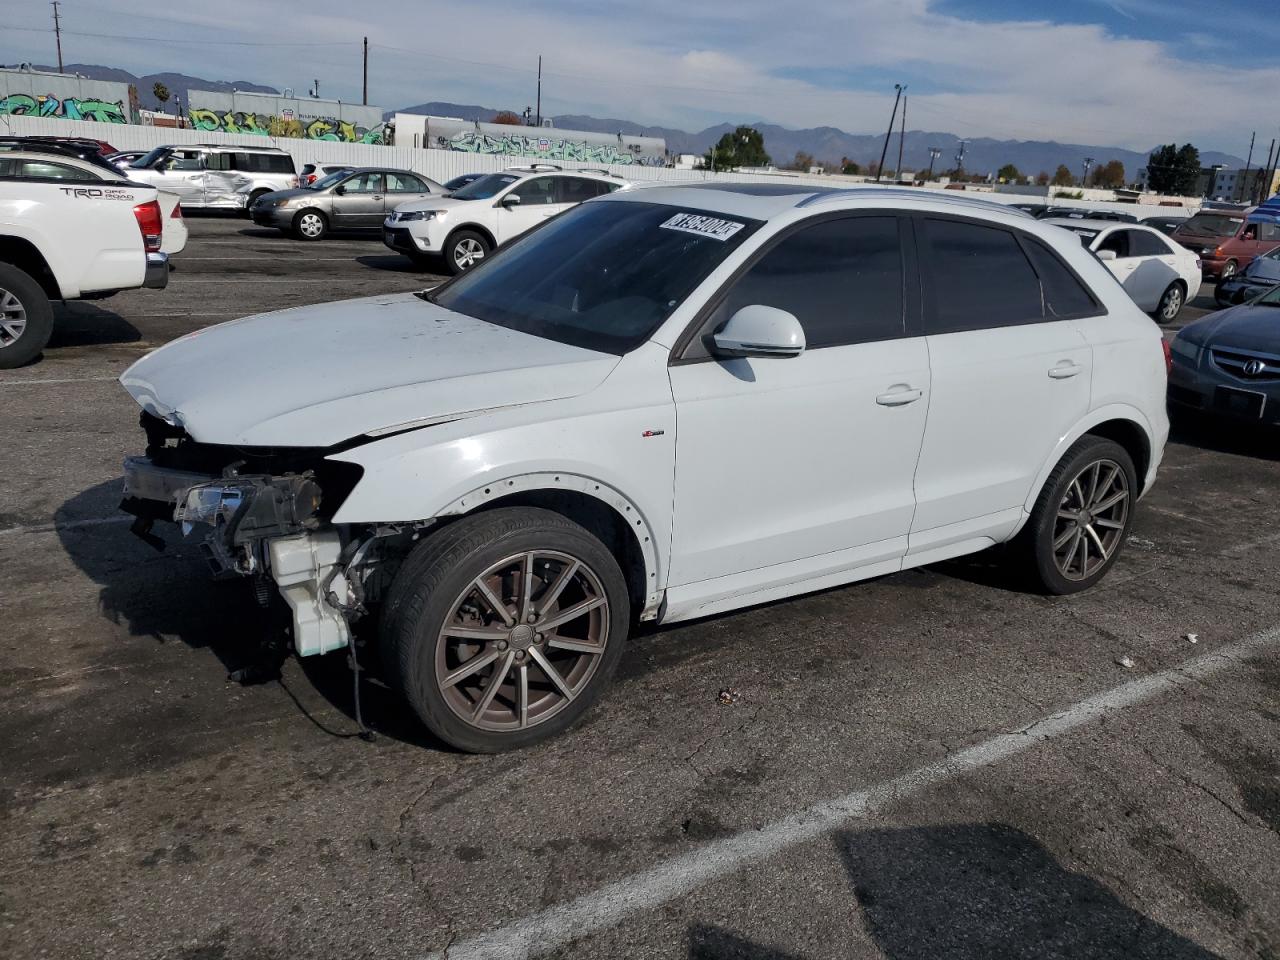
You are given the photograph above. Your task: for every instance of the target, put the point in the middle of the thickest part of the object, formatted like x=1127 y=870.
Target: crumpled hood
x=316 y=376
x=1243 y=327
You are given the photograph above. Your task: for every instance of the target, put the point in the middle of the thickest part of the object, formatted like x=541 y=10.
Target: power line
x=201 y=42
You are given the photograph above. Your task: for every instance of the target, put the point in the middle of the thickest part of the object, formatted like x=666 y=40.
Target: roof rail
x=538 y=166
x=607 y=173
x=910 y=194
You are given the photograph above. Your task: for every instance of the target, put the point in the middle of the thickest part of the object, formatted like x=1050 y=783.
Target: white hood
x=316 y=376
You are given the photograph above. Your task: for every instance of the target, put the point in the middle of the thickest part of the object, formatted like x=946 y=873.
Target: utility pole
x=57 y=31
x=1273 y=158
x=538 y=123
x=1088 y=162
x=960 y=158
x=1248 y=163
x=366 y=71
x=902 y=136
x=898 y=88
x=934 y=154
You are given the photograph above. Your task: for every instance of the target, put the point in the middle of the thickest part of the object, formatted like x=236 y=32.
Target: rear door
x=360 y=203
x=402 y=188
x=1010 y=374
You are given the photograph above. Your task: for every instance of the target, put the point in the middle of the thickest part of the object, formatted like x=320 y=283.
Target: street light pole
x=1088 y=162
x=898 y=88
x=934 y=154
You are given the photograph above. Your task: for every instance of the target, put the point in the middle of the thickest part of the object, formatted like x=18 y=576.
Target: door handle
x=378 y=197
x=899 y=395
x=1067 y=368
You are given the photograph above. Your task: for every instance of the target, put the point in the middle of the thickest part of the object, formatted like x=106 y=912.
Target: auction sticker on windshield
x=703 y=225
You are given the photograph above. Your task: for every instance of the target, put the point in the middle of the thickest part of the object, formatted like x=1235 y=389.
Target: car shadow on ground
x=1193 y=429
x=399 y=263
x=80 y=323
x=169 y=594
x=981 y=891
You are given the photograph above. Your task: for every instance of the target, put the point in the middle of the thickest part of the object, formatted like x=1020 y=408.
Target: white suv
x=469 y=223
x=215 y=176
x=664 y=404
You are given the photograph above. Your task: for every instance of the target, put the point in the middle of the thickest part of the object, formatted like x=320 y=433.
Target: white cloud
x=672 y=62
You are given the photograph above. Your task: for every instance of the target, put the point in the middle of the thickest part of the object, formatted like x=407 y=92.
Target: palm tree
x=161 y=93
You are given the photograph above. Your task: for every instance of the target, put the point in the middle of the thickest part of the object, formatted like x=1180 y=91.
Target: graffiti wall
x=541 y=143
x=265 y=115
x=65 y=96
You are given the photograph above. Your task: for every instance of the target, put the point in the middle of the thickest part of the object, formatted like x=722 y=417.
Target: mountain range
x=827 y=144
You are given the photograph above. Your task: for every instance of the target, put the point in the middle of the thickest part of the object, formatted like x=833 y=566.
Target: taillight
x=177 y=212
x=151 y=223
x=1168 y=356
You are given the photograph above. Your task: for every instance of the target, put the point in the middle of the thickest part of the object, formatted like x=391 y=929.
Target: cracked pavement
x=152 y=809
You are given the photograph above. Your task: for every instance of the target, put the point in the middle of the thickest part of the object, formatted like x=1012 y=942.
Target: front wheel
x=1082 y=516
x=1228 y=270
x=1171 y=303
x=26 y=317
x=310 y=225
x=464 y=250
x=505 y=627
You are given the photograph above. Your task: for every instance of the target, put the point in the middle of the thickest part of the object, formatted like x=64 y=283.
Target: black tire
x=253 y=198
x=27 y=324
x=1228 y=271
x=468 y=241
x=439 y=576
x=1219 y=299
x=1171 y=303
x=310 y=224
x=1037 y=537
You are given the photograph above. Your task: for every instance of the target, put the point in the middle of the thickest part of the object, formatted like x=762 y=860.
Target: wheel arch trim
x=623 y=507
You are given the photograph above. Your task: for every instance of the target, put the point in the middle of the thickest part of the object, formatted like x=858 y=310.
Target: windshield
x=485 y=187
x=1271 y=298
x=608 y=294
x=329 y=181
x=150 y=159
x=1212 y=224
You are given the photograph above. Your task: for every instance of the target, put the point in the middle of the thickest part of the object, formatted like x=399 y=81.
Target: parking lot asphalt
x=935 y=764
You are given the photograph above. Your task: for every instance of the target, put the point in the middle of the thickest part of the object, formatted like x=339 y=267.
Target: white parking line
x=607 y=907
x=19 y=383
x=69 y=525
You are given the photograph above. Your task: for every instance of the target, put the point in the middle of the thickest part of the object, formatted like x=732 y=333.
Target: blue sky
x=1129 y=73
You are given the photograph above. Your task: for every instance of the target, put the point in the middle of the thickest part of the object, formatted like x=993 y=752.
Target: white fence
x=442 y=165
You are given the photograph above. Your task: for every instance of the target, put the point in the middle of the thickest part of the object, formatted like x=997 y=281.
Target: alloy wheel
x=523 y=639
x=1228 y=270
x=467 y=252
x=1172 y=304
x=1091 y=519
x=13 y=319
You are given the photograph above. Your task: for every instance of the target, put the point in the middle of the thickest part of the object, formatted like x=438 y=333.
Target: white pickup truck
x=64 y=237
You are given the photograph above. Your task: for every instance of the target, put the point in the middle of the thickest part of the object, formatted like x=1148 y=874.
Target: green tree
x=1110 y=175
x=1009 y=173
x=1062 y=177
x=161 y=93
x=850 y=168
x=742 y=148
x=1173 y=169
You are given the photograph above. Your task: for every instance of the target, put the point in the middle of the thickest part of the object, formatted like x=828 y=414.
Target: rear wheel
x=504 y=628
x=1082 y=516
x=310 y=225
x=464 y=250
x=1171 y=303
x=26 y=317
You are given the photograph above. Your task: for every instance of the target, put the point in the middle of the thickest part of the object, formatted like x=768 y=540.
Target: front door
x=1011 y=375
x=808 y=458
x=360 y=203
x=183 y=173
x=1138 y=265
x=538 y=201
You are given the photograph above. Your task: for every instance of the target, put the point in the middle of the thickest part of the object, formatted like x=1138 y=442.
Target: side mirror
x=760 y=331
x=511 y=200
x=340 y=190
x=1105 y=255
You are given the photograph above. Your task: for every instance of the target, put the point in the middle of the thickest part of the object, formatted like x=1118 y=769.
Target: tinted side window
x=980 y=278
x=1143 y=244
x=1064 y=295
x=1117 y=241
x=842 y=279
x=43 y=170
x=576 y=189
x=537 y=191
x=221 y=161
x=275 y=163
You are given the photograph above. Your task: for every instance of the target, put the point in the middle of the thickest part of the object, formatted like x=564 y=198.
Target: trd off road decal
x=702 y=225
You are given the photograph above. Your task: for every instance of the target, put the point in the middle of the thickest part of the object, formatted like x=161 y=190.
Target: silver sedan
x=357 y=199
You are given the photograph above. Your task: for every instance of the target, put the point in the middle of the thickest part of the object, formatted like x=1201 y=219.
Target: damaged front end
x=266 y=514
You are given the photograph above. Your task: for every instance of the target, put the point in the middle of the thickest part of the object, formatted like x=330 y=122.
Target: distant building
x=1235 y=186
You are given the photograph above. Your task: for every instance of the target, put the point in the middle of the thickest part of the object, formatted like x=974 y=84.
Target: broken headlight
x=214 y=503
x=252 y=507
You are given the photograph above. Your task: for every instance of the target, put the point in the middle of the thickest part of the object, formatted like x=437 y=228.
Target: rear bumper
x=157 y=275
